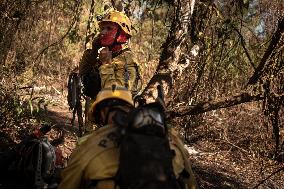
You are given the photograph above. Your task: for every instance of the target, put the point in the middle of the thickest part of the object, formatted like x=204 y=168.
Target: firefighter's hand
x=105 y=55
x=96 y=44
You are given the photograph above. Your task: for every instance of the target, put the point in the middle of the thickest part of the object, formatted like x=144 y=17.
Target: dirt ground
x=225 y=153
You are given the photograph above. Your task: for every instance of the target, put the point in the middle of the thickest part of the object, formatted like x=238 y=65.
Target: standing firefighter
x=133 y=149
x=110 y=60
x=117 y=59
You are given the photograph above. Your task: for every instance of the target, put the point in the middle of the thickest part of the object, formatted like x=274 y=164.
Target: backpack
x=36 y=163
x=145 y=156
x=74 y=89
x=92 y=84
x=31 y=163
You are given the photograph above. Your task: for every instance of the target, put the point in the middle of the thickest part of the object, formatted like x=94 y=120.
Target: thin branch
x=244 y=47
x=61 y=39
x=234 y=145
x=275 y=172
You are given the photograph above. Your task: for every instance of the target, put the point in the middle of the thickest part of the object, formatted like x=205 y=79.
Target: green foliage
x=18 y=108
x=11 y=108
x=73 y=36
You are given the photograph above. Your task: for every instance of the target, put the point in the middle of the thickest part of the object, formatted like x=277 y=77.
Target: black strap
x=38 y=177
x=137 y=82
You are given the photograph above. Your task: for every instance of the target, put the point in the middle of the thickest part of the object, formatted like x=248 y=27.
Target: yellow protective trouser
x=89 y=125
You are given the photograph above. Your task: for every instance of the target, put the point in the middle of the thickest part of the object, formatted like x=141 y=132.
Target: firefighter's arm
x=109 y=69
x=72 y=175
x=181 y=161
x=88 y=62
x=105 y=55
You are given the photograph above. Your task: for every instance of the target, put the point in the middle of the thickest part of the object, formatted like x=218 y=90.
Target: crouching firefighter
x=110 y=57
x=133 y=148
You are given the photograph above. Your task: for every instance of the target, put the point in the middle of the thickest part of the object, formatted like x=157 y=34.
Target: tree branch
x=267 y=55
x=216 y=104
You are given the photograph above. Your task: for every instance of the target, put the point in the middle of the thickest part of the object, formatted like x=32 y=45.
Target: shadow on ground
x=61 y=121
x=207 y=177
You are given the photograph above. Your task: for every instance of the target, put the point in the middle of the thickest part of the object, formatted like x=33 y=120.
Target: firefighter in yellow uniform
x=94 y=163
x=110 y=60
x=115 y=31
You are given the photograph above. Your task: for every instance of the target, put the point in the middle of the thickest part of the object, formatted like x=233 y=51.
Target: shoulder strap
x=126 y=74
x=137 y=85
x=38 y=177
x=115 y=54
x=73 y=89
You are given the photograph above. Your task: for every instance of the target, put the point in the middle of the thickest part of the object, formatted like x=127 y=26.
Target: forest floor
x=220 y=160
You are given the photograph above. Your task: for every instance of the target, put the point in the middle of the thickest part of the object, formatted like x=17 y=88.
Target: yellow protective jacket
x=122 y=72
x=97 y=159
